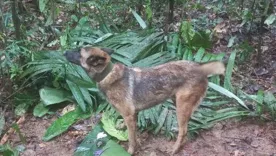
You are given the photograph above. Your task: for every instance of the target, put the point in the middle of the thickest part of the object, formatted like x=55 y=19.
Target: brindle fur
x=130 y=90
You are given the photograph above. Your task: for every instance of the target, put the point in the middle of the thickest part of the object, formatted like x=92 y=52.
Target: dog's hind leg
x=187 y=101
x=130 y=121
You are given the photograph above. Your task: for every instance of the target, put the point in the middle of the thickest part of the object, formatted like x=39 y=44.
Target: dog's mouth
x=73 y=56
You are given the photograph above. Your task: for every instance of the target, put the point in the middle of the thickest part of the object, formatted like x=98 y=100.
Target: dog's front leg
x=130 y=121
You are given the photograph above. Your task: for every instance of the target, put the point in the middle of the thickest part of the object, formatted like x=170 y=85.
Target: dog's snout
x=73 y=57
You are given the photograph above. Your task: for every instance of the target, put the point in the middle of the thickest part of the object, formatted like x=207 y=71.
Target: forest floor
x=228 y=138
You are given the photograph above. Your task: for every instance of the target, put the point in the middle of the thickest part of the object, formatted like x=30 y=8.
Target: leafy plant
x=63 y=123
x=98 y=142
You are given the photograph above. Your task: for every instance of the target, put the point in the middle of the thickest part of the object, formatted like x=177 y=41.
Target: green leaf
x=110 y=127
x=103 y=38
x=63 y=123
x=161 y=120
x=89 y=144
x=229 y=69
x=77 y=94
x=112 y=148
x=199 y=55
x=40 y=110
x=42 y=5
x=139 y=19
x=51 y=96
x=80 y=82
x=187 y=32
x=231 y=41
x=169 y=121
x=21 y=109
x=86 y=96
x=270 y=19
x=227 y=93
x=269 y=98
x=260 y=99
x=2 y=122
x=7 y=150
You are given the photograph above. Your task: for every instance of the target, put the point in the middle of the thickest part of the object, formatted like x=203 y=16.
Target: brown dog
x=130 y=90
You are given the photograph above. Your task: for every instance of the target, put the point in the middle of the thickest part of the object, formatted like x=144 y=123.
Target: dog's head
x=92 y=59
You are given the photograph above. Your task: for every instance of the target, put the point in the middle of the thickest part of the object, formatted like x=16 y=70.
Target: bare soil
x=227 y=138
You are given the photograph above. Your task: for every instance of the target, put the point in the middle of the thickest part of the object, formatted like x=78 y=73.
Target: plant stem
x=16 y=20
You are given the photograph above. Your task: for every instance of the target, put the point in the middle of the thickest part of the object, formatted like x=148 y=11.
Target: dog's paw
x=130 y=150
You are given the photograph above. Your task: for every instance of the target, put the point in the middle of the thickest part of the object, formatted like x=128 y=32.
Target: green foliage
x=141 y=22
x=51 y=96
x=22 y=102
x=110 y=127
x=91 y=143
x=63 y=123
x=229 y=70
x=7 y=150
x=40 y=110
x=98 y=142
x=2 y=122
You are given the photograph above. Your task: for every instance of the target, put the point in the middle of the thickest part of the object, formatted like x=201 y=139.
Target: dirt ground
x=227 y=138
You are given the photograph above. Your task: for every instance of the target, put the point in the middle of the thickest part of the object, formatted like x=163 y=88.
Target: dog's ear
x=107 y=50
x=96 y=61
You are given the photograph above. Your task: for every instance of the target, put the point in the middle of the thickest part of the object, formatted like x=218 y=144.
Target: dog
x=131 y=90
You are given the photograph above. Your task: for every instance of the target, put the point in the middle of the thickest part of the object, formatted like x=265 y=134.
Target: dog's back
x=147 y=87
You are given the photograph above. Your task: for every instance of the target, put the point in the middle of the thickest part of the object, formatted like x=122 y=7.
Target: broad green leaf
x=229 y=69
x=77 y=94
x=110 y=127
x=270 y=19
x=113 y=148
x=40 y=110
x=141 y=22
x=63 y=123
x=42 y=5
x=227 y=93
x=51 y=96
x=89 y=145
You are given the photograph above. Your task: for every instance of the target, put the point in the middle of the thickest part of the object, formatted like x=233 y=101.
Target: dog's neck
x=100 y=76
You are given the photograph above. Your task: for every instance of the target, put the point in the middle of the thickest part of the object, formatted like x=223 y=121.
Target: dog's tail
x=213 y=68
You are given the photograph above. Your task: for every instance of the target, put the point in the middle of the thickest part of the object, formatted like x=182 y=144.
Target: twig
x=11 y=130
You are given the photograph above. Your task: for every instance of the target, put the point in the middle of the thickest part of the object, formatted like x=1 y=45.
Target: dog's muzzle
x=73 y=56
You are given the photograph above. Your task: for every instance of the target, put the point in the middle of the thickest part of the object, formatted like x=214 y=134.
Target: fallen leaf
x=41 y=145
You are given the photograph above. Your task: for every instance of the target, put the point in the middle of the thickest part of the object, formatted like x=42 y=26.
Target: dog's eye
x=95 y=60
